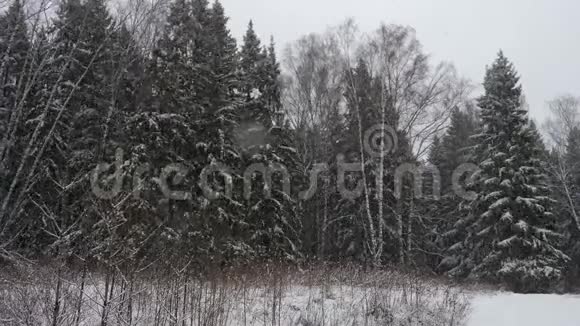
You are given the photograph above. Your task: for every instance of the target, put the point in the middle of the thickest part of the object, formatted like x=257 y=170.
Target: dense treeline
x=151 y=137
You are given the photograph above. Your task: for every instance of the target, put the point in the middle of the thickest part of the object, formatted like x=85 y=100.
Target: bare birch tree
x=564 y=116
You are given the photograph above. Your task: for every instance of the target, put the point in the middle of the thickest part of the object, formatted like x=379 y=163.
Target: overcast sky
x=541 y=37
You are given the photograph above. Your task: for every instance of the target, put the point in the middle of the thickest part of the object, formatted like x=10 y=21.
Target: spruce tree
x=14 y=45
x=194 y=87
x=255 y=78
x=171 y=69
x=223 y=58
x=362 y=113
x=367 y=107
x=84 y=43
x=14 y=51
x=223 y=219
x=161 y=132
x=569 y=225
x=572 y=155
x=271 y=210
x=457 y=144
x=448 y=154
x=511 y=236
x=46 y=191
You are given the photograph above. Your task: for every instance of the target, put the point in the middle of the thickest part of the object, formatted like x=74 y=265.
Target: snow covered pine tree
x=510 y=233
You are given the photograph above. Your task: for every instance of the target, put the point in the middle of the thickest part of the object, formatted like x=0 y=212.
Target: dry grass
x=349 y=295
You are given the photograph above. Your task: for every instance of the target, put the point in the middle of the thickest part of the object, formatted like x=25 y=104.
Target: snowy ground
x=509 y=309
x=312 y=298
x=330 y=297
